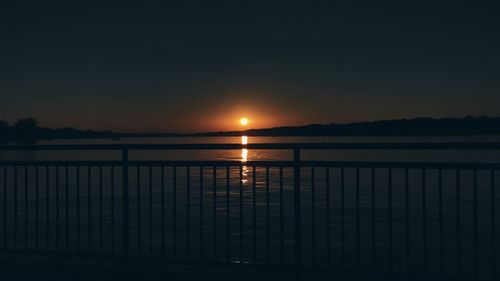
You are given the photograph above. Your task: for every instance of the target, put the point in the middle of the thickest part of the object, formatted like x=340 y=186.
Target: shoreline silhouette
x=27 y=130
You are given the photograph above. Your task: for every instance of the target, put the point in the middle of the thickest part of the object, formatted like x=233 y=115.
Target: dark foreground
x=72 y=269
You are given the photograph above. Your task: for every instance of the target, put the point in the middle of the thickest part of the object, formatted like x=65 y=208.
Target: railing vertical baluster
x=125 y=183
x=389 y=207
x=440 y=214
x=458 y=238
x=493 y=226
x=268 y=227
x=374 y=248
x=188 y=211
x=89 y=207
x=228 y=219
x=15 y=207
x=25 y=207
x=138 y=211
x=424 y=217
x=47 y=208
x=5 y=230
x=241 y=214
x=342 y=218
x=57 y=211
x=282 y=231
x=100 y=212
x=174 y=208
x=37 y=210
x=407 y=221
x=66 y=206
x=112 y=191
x=474 y=202
x=162 y=210
x=254 y=213
x=78 y=249
x=150 y=211
x=313 y=216
x=214 y=213
x=297 y=213
x=358 y=256
x=201 y=213
x=327 y=217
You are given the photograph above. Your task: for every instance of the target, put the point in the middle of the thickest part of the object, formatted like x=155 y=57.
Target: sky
x=190 y=66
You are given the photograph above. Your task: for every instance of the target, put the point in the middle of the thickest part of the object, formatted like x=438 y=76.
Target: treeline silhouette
x=27 y=129
x=469 y=125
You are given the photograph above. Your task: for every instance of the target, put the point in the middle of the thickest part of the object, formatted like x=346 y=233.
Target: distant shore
x=26 y=130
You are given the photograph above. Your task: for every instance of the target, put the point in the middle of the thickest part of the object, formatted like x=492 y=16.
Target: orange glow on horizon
x=240 y=118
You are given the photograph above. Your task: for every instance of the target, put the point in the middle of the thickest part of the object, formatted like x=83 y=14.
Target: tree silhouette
x=26 y=124
x=26 y=128
x=4 y=127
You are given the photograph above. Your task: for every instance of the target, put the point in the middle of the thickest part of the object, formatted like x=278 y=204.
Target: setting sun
x=244 y=121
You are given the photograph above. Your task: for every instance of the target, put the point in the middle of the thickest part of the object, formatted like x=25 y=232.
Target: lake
x=351 y=155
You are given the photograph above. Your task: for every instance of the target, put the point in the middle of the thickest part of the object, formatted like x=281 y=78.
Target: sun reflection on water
x=244 y=155
x=244 y=159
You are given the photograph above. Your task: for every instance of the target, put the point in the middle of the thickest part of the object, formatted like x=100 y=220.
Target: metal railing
x=408 y=218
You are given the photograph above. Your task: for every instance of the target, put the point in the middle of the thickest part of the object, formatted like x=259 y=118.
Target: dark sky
x=200 y=65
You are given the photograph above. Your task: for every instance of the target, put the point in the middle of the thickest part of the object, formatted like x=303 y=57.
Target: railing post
x=125 y=180
x=297 y=213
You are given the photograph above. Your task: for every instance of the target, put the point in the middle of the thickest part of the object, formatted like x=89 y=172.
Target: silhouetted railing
x=406 y=218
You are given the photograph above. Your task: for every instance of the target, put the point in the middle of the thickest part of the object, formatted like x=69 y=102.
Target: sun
x=244 y=121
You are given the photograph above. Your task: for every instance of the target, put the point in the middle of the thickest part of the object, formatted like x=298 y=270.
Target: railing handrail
x=262 y=163
x=266 y=146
